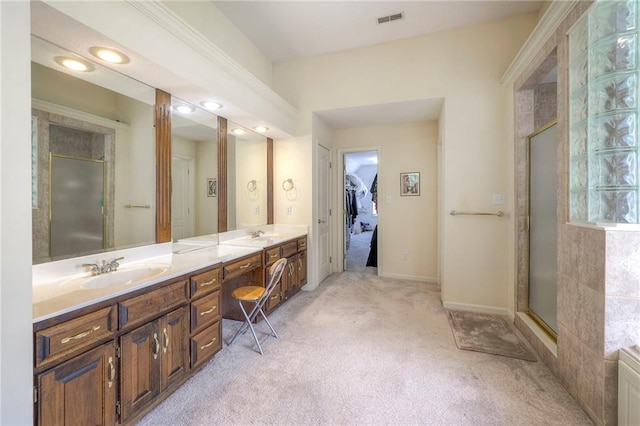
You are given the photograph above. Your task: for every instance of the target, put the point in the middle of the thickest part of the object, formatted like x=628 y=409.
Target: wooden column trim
x=269 y=181
x=163 y=166
x=222 y=175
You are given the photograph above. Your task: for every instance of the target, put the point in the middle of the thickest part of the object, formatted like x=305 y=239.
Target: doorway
x=360 y=211
x=182 y=198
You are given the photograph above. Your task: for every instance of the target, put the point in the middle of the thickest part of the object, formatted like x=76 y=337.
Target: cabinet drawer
x=271 y=255
x=289 y=249
x=244 y=265
x=205 y=344
x=205 y=283
x=146 y=306
x=73 y=336
x=205 y=311
x=275 y=298
x=302 y=244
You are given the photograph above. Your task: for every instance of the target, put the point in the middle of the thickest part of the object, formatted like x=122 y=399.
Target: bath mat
x=492 y=334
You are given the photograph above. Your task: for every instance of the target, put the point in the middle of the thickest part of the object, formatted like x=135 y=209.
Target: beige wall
x=405 y=224
x=462 y=66
x=212 y=24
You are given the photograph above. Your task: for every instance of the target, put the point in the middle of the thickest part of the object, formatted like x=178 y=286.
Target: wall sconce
x=290 y=190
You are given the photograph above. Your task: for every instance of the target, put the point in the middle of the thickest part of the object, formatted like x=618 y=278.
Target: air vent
x=394 y=17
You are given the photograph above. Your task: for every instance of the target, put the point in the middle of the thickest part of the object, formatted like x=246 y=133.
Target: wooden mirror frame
x=163 y=166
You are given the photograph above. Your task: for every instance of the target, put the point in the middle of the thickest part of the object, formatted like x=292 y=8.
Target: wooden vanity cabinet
x=153 y=357
x=242 y=272
x=206 y=309
x=295 y=272
x=80 y=391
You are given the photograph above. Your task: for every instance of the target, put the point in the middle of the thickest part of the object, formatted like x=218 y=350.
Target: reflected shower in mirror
x=194 y=170
x=93 y=163
x=246 y=177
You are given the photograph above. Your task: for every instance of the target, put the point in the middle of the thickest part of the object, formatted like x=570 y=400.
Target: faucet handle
x=95 y=269
x=114 y=263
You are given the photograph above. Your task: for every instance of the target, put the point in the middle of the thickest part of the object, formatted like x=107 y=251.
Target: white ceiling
x=285 y=30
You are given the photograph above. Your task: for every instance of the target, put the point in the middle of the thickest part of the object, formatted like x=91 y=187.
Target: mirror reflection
x=194 y=171
x=93 y=163
x=247 y=177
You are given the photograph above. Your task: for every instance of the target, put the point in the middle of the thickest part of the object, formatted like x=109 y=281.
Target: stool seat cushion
x=248 y=293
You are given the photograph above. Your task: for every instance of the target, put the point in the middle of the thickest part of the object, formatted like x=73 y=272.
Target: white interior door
x=324 y=216
x=543 y=251
x=180 y=199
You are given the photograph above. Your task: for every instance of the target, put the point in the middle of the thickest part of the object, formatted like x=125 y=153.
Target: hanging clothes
x=374 y=190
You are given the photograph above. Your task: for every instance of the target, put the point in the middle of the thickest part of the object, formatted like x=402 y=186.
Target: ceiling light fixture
x=211 y=105
x=238 y=131
x=109 y=55
x=261 y=129
x=73 y=63
x=185 y=109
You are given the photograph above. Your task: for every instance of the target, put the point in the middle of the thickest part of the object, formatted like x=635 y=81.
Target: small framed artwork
x=410 y=183
x=212 y=187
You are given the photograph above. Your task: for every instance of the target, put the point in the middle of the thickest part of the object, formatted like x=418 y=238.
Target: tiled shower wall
x=598 y=268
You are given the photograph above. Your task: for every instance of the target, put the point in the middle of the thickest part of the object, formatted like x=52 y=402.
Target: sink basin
x=119 y=278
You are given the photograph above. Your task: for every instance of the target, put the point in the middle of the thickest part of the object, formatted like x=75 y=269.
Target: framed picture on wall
x=410 y=183
x=212 y=187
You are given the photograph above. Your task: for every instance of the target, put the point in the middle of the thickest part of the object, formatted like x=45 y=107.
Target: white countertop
x=57 y=286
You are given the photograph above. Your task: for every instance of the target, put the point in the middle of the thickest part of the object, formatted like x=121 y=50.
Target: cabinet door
x=289 y=276
x=80 y=391
x=302 y=268
x=175 y=340
x=139 y=368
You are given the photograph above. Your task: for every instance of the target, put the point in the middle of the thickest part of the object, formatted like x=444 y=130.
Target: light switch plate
x=498 y=199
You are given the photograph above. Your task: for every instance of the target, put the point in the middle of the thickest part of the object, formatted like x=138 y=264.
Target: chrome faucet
x=104 y=268
x=256 y=234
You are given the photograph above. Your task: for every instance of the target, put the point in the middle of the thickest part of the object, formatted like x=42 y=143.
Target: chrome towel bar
x=500 y=213
x=135 y=206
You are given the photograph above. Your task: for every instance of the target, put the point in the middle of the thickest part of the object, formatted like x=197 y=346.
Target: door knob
x=320 y=221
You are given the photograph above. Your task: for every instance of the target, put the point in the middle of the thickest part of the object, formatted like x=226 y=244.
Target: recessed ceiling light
x=211 y=105
x=73 y=63
x=238 y=131
x=109 y=55
x=185 y=109
x=261 y=129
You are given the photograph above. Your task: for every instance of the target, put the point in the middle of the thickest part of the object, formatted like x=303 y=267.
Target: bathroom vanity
x=107 y=353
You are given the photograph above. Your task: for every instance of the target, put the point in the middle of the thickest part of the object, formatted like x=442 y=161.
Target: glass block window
x=604 y=74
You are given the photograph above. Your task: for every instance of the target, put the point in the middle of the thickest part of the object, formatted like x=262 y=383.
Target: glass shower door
x=76 y=203
x=543 y=251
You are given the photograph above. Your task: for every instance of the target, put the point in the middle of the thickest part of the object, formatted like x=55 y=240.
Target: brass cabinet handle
x=166 y=340
x=213 y=280
x=209 y=344
x=156 y=346
x=300 y=263
x=245 y=266
x=209 y=311
x=112 y=372
x=81 y=335
x=273 y=255
x=275 y=297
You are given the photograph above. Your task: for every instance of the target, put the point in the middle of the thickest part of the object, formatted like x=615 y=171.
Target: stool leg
x=268 y=323
x=248 y=318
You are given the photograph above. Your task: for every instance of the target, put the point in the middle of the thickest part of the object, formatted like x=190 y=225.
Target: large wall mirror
x=247 y=198
x=93 y=144
x=194 y=171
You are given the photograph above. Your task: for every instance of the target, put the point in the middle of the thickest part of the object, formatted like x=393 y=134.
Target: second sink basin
x=121 y=277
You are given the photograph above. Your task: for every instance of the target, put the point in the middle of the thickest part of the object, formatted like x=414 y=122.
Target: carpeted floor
x=358 y=253
x=365 y=350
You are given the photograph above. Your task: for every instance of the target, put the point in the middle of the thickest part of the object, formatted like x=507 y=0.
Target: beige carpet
x=492 y=334
x=364 y=350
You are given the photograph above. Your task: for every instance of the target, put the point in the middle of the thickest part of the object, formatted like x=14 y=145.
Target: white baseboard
x=429 y=280
x=476 y=308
